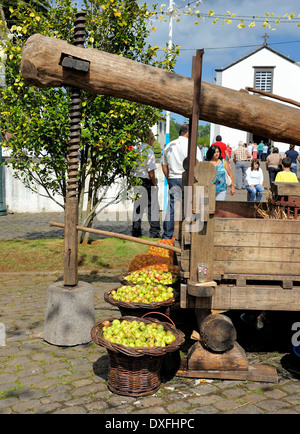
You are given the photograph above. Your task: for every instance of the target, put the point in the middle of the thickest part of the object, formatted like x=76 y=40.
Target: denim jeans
x=148 y=201
x=255 y=191
x=174 y=195
x=294 y=168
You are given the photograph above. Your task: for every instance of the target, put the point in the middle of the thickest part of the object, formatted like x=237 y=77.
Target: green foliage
x=203 y=135
x=156 y=148
x=38 y=118
x=174 y=130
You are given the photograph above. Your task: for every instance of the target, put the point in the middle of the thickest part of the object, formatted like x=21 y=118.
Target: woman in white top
x=255 y=179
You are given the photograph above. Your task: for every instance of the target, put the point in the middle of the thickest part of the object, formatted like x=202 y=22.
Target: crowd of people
x=280 y=168
x=246 y=159
x=248 y=175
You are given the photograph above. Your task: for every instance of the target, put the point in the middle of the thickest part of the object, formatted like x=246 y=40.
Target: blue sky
x=224 y=44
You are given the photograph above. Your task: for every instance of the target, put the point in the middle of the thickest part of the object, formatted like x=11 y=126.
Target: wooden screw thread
x=75 y=116
x=74 y=143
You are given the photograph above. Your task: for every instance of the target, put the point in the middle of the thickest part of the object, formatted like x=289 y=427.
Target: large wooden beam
x=113 y=75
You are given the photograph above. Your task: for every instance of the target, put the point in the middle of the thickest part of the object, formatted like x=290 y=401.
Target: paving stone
x=292 y=399
x=271 y=405
x=233 y=393
x=28 y=406
x=275 y=394
x=227 y=404
x=121 y=409
x=96 y=405
x=71 y=410
x=284 y=411
x=7 y=402
x=247 y=409
x=205 y=400
x=149 y=401
x=205 y=389
x=5 y=410
x=151 y=410
x=48 y=408
x=178 y=407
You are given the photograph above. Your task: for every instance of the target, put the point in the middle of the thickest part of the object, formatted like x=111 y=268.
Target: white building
x=160 y=131
x=264 y=69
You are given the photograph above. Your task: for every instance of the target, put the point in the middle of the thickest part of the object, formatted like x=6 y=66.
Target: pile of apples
x=137 y=334
x=143 y=293
x=151 y=276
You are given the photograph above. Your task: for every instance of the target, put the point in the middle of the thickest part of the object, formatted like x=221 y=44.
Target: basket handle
x=159 y=313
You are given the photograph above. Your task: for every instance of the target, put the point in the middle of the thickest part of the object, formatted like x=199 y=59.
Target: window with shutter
x=263 y=79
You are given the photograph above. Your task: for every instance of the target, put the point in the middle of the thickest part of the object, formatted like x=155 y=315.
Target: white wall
x=19 y=199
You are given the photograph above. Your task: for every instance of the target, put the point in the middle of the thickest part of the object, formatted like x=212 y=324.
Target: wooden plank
x=71 y=242
x=253 y=276
x=286 y=189
x=194 y=120
x=281 y=240
x=264 y=373
x=270 y=267
x=124 y=78
x=202 y=240
x=258 y=297
x=233 y=359
x=235 y=209
x=270 y=226
x=183 y=295
x=257 y=253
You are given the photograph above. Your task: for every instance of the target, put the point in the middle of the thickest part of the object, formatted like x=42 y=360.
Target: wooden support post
x=194 y=120
x=71 y=242
x=71 y=206
x=202 y=241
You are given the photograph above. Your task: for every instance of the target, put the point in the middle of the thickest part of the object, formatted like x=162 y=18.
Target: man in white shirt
x=172 y=165
x=148 y=191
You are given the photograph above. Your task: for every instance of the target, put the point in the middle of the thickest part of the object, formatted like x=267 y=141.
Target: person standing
x=255 y=179
x=204 y=150
x=241 y=156
x=265 y=152
x=229 y=150
x=260 y=149
x=214 y=156
x=254 y=150
x=294 y=156
x=250 y=147
x=223 y=147
x=147 y=190
x=273 y=163
x=172 y=166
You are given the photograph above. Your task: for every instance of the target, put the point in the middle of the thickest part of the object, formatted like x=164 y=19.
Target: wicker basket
x=139 y=309
x=122 y=279
x=135 y=371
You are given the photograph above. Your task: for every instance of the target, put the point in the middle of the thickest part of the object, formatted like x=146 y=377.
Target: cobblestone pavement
x=36 y=377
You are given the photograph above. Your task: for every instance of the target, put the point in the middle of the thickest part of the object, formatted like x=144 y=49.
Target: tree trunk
x=124 y=78
x=218 y=332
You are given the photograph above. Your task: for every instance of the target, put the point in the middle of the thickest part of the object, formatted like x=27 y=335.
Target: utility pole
x=3 y=210
x=168 y=114
x=171 y=17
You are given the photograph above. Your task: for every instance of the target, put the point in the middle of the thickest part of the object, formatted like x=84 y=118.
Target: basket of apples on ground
x=152 y=277
x=136 y=348
x=141 y=298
